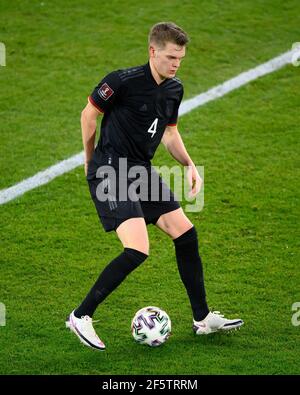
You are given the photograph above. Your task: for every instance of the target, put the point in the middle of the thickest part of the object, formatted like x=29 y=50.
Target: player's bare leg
x=175 y=223
x=134 y=237
x=133 y=234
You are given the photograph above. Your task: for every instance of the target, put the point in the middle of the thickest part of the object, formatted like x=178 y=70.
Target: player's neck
x=157 y=77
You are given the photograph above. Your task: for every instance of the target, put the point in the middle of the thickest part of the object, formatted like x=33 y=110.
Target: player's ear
x=151 y=51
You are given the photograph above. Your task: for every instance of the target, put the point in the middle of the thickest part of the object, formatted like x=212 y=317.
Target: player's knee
x=140 y=246
x=144 y=249
x=135 y=256
x=186 y=237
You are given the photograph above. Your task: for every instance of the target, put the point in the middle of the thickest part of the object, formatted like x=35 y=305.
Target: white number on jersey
x=153 y=127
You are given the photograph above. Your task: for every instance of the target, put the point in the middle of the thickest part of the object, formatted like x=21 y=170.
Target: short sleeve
x=174 y=117
x=106 y=92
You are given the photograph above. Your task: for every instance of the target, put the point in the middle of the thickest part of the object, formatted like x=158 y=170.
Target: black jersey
x=136 y=112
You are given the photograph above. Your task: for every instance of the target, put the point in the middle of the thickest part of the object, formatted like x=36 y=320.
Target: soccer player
x=140 y=107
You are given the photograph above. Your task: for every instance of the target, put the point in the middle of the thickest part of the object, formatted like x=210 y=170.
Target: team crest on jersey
x=105 y=91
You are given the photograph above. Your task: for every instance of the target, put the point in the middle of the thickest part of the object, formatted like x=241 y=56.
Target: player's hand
x=194 y=180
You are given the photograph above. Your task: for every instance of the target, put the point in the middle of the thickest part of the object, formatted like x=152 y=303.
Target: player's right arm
x=100 y=101
x=89 y=117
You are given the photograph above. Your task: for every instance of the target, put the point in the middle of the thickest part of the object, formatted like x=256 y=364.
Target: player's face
x=167 y=60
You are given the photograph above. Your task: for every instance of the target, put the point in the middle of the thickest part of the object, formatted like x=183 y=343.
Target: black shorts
x=149 y=200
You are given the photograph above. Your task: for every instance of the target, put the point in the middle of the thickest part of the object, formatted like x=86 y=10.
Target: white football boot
x=83 y=328
x=214 y=322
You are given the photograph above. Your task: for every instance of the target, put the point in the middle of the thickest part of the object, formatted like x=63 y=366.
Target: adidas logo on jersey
x=144 y=107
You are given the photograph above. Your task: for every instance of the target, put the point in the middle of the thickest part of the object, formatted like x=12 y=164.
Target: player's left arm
x=175 y=146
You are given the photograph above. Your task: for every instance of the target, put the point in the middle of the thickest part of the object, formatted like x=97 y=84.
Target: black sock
x=191 y=272
x=112 y=276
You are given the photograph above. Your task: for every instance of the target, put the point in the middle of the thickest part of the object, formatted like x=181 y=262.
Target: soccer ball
x=151 y=325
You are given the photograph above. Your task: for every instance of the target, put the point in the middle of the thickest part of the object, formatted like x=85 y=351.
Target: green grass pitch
x=52 y=246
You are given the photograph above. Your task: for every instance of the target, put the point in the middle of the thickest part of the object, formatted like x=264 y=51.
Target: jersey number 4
x=153 y=127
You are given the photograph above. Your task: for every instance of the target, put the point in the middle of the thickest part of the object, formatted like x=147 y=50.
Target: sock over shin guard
x=191 y=272
x=110 y=278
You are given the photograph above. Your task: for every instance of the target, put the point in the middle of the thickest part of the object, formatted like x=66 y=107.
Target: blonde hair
x=164 y=32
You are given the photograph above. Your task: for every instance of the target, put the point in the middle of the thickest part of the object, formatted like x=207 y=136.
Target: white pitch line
x=236 y=82
x=41 y=178
x=45 y=176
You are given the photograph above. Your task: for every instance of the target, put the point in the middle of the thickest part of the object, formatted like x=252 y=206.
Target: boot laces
x=218 y=313
x=88 y=323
